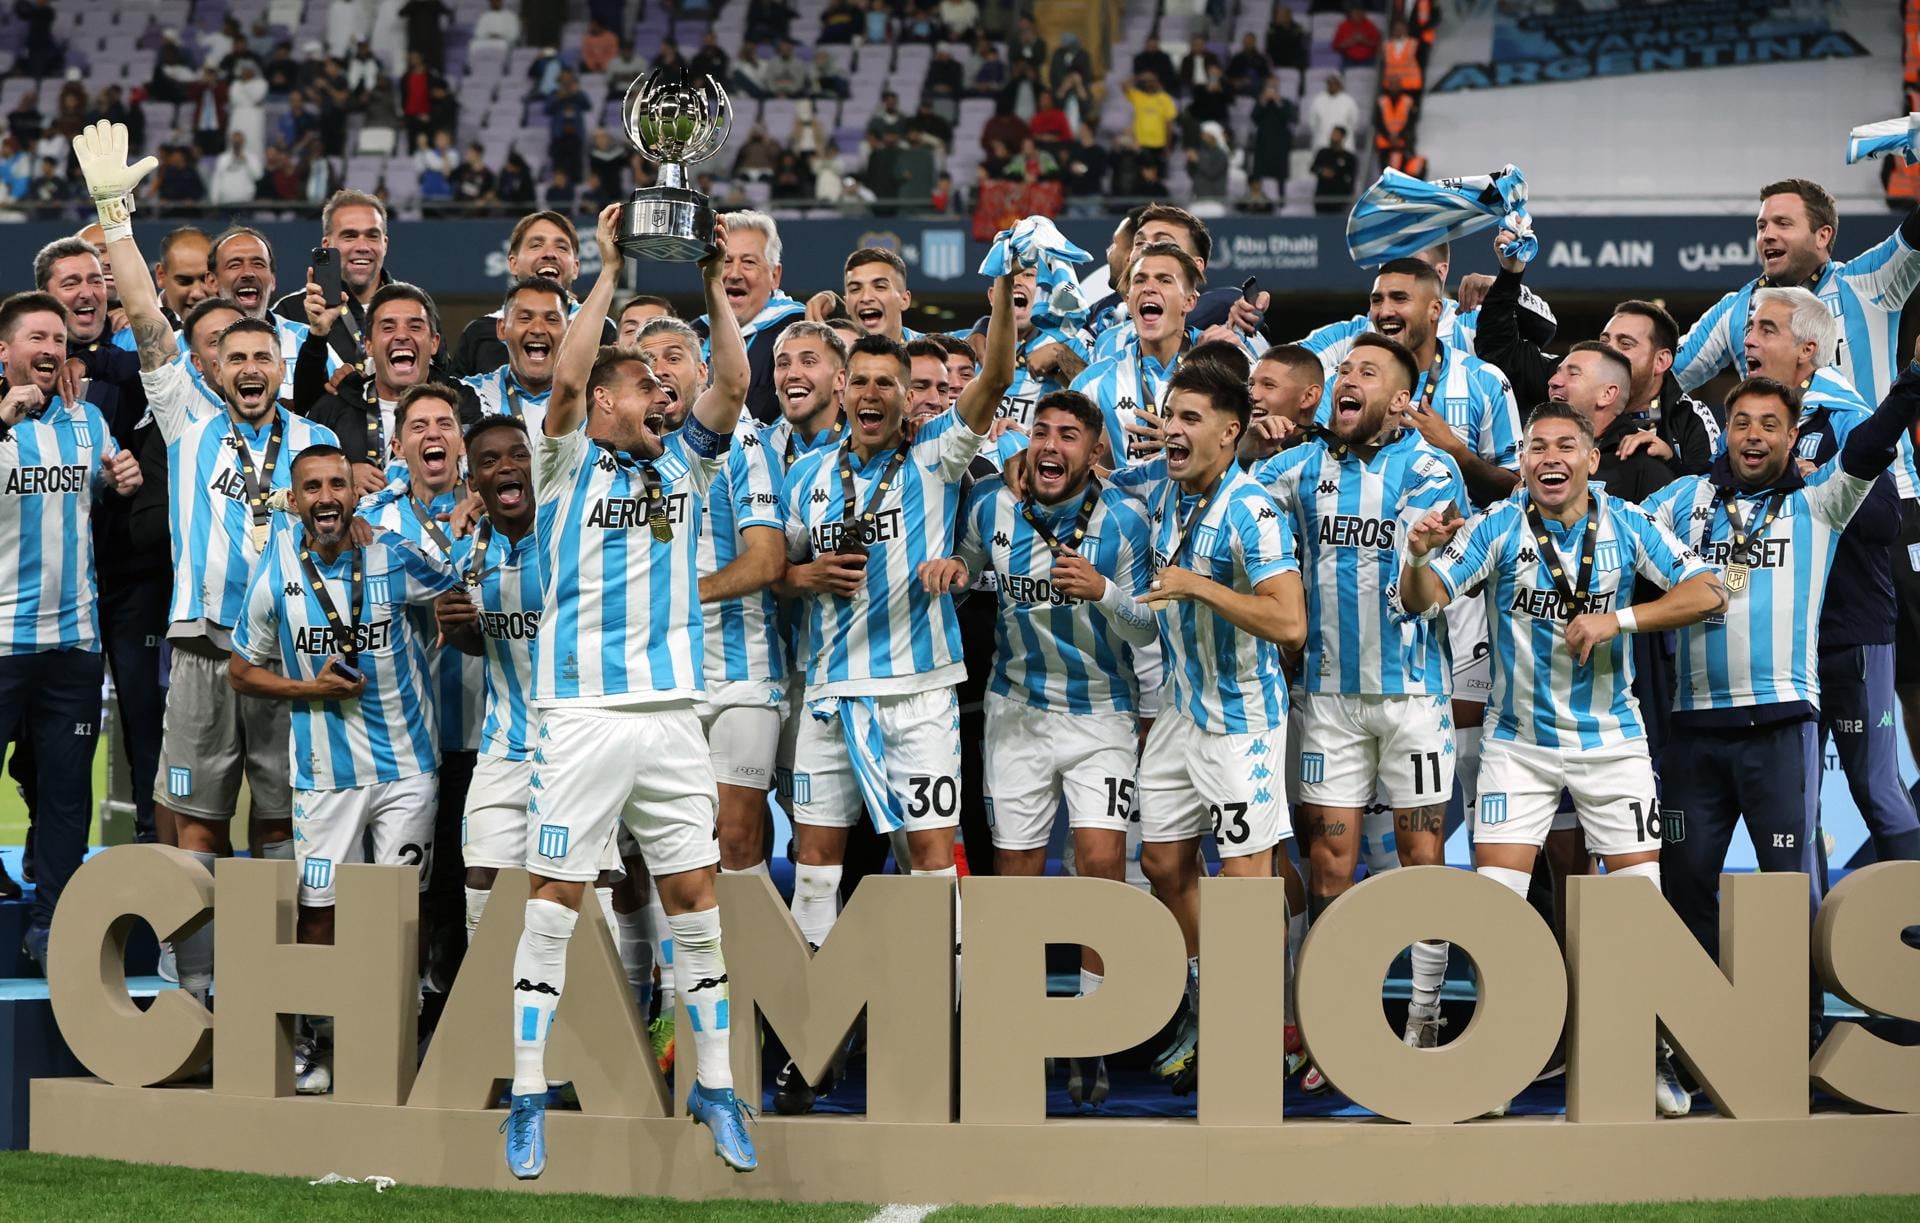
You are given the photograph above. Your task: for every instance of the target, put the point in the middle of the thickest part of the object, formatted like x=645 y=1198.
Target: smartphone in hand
x=326 y=273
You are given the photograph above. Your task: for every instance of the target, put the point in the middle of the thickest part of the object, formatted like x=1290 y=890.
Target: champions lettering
x=322 y=641
x=40 y=481
x=626 y=513
x=510 y=626
x=1022 y=589
x=1548 y=605
x=886 y=525
x=1353 y=531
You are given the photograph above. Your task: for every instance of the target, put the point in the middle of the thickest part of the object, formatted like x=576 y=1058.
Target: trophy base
x=667 y=224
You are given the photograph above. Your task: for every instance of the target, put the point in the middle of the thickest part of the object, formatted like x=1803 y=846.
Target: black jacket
x=1690 y=427
x=116 y=390
x=351 y=412
x=481 y=351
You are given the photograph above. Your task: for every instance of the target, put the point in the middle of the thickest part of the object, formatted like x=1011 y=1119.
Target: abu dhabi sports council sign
x=946 y=1097
x=1545 y=41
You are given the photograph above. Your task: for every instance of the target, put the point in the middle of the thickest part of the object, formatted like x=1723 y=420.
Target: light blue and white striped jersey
x=292 y=336
x=1053 y=651
x=620 y=621
x=211 y=523
x=1120 y=384
x=1027 y=390
x=388 y=733
x=51 y=470
x=1765 y=648
x=508 y=592
x=1350 y=516
x=1121 y=335
x=1475 y=398
x=742 y=635
x=784 y=448
x=1866 y=293
x=1829 y=388
x=500 y=394
x=1226 y=680
x=1332 y=342
x=892 y=637
x=459 y=685
x=1540 y=695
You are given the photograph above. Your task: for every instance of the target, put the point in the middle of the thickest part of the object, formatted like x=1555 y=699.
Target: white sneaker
x=312 y=1076
x=1670 y=1099
x=1423 y=1026
x=167 y=970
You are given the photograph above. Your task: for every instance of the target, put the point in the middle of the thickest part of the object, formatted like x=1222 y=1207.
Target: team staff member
x=1661 y=420
x=1558 y=568
x=759 y=306
x=243 y=273
x=353 y=225
x=529 y=325
x=1744 y=743
x=543 y=245
x=1791 y=339
x=402 y=340
x=57 y=459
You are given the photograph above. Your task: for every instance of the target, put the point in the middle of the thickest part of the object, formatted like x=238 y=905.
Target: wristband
x=1629 y=623
x=115 y=217
x=1419 y=560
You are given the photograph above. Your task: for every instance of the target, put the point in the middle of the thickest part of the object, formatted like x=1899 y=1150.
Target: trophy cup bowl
x=675 y=119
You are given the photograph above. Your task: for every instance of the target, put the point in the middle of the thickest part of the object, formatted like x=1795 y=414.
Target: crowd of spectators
x=224 y=150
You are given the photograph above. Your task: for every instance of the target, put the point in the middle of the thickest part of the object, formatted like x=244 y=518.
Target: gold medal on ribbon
x=662 y=529
x=1736 y=578
x=260 y=532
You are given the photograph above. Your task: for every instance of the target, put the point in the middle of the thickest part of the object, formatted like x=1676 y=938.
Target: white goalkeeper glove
x=101 y=150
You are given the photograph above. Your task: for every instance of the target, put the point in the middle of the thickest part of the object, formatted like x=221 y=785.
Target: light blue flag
x=1037 y=243
x=1401 y=215
x=1887 y=136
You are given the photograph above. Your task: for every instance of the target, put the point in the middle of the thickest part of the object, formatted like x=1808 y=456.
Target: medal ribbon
x=1079 y=532
x=259 y=484
x=1573 y=598
x=849 y=531
x=346 y=635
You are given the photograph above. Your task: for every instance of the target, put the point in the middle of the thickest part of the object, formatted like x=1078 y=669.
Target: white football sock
x=758 y=868
x=605 y=896
x=657 y=928
x=696 y=939
x=539 y=974
x=636 y=956
x=1644 y=870
x=476 y=905
x=1429 y=972
x=1089 y=982
x=816 y=901
x=1516 y=881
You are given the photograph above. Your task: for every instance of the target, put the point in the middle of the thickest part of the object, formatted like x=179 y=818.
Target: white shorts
x=920 y=737
x=493 y=829
x=743 y=741
x=1472 y=653
x=1612 y=790
x=1031 y=756
x=1405 y=743
x=333 y=826
x=1192 y=782
x=596 y=769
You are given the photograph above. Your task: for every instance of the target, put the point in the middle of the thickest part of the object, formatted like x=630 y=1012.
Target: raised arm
x=567 y=407
x=718 y=407
x=101 y=150
x=982 y=397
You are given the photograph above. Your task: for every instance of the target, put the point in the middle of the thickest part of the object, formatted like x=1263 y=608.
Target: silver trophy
x=673 y=118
